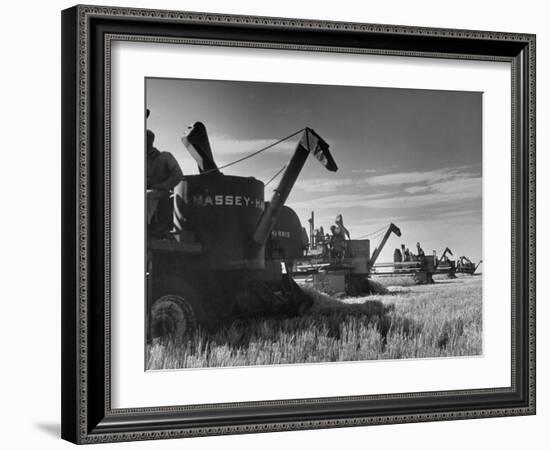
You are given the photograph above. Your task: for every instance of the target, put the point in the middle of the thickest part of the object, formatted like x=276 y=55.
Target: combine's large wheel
x=172 y=317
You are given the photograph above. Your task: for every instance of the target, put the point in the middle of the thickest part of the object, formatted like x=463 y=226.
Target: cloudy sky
x=412 y=157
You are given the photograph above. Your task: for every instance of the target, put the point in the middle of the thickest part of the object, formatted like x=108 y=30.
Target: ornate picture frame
x=88 y=33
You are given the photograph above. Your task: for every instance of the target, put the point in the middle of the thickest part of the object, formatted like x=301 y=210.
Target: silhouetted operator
x=397 y=255
x=163 y=171
x=340 y=223
x=305 y=241
x=163 y=174
x=337 y=242
x=420 y=254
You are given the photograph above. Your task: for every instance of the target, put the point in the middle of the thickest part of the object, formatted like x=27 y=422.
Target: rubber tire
x=178 y=287
x=172 y=317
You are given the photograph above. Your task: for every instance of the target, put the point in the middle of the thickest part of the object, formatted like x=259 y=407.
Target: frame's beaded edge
x=84 y=13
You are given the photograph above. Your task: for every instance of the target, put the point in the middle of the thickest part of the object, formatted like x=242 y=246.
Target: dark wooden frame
x=87 y=31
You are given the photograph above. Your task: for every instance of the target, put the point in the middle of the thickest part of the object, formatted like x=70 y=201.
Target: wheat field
x=413 y=321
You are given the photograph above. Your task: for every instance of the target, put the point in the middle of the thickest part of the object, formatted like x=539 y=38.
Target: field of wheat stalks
x=439 y=320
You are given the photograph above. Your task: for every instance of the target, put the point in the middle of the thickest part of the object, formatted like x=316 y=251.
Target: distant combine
x=345 y=269
x=335 y=264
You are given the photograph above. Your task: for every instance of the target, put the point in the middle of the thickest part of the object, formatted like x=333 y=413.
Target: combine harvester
x=224 y=257
x=424 y=269
x=447 y=266
x=465 y=265
x=349 y=274
x=420 y=270
x=355 y=272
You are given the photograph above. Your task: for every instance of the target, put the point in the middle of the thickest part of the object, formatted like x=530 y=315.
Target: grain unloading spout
x=391 y=229
x=310 y=142
x=447 y=250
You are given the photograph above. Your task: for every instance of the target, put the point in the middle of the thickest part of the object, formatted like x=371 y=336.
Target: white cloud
x=337 y=201
x=431 y=176
x=322 y=184
x=364 y=170
x=416 y=189
x=450 y=192
x=475 y=213
x=461 y=187
x=471 y=186
x=441 y=186
x=447 y=192
x=377 y=170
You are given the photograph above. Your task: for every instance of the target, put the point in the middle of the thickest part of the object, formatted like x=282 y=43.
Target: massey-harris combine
x=353 y=271
x=347 y=273
x=420 y=269
x=465 y=265
x=445 y=265
x=462 y=265
x=224 y=256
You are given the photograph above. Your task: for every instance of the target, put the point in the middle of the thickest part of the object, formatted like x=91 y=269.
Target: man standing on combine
x=163 y=174
x=420 y=254
x=340 y=223
x=163 y=171
x=337 y=243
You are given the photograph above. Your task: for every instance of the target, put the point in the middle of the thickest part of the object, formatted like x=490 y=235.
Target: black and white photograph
x=275 y=225
x=302 y=223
